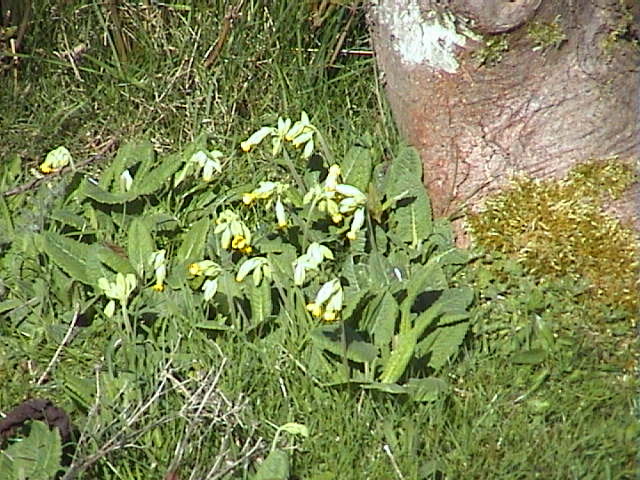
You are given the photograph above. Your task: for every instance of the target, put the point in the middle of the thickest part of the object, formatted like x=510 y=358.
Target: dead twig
x=56 y=355
x=227 y=23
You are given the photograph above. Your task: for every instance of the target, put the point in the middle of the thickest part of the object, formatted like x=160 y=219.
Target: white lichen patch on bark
x=421 y=39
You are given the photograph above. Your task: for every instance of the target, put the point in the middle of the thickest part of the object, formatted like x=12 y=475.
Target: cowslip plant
x=119 y=290
x=345 y=255
x=55 y=160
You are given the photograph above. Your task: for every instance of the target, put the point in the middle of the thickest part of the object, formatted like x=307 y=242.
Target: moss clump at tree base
x=558 y=229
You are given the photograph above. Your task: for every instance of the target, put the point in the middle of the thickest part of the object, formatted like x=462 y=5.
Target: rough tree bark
x=489 y=88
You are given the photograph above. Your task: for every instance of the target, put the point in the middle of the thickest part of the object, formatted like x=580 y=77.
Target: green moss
x=621 y=30
x=491 y=53
x=557 y=229
x=546 y=35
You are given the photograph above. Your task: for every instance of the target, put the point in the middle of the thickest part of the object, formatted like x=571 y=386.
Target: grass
x=539 y=389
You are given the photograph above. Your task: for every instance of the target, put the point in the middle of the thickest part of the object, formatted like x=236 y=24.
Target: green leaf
x=69 y=255
x=357 y=167
x=69 y=218
x=193 y=243
x=148 y=182
x=129 y=154
x=399 y=358
x=111 y=259
x=36 y=457
x=162 y=221
x=425 y=278
x=260 y=301
x=392 y=388
x=140 y=245
x=295 y=429
x=442 y=343
x=385 y=316
x=356 y=274
x=411 y=219
x=426 y=389
x=353 y=299
x=451 y=305
x=274 y=467
x=88 y=189
x=329 y=337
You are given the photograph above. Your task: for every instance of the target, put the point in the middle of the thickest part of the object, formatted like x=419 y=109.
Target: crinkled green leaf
x=36 y=457
x=67 y=217
x=426 y=389
x=274 y=467
x=70 y=255
x=147 y=182
x=357 y=275
x=411 y=218
x=113 y=260
x=129 y=154
x=356 y=167
x=353 y=298
x=385 y=315
x=442 y=343
x=193 y=242
x=140 y=245
x=329 y=337
x=400 y=357
x=89 y=189
x=260 y=301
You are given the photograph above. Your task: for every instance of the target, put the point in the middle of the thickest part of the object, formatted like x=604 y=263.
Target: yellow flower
x=315 y=309
x=330 y=316
x=240 y=243
x=248 y=198
x=205 y=267
x=158 y=287
x=256 y=138
x=195 y=269
x=331 y=181
x=55 y=160
x=260 y=267
x=356 y=224
x=328 y=301
x=280 y=214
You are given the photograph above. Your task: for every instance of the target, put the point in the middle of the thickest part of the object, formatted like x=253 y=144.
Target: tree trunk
x=485 y=89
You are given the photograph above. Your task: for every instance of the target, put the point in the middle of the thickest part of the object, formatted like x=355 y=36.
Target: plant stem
x=125 y=318
x=294 y=172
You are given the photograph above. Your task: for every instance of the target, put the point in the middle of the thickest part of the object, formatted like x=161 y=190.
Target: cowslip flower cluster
x=118 y=290
x=268 y=191
x=159 y=263
x=207 y=162
x=234 y=234
x=126 y=181
x=340 y=201
x=300 y=134
x=328 y=302
x=310 y=260
x=210 y=270
x=259 y=267
x=55 y=160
